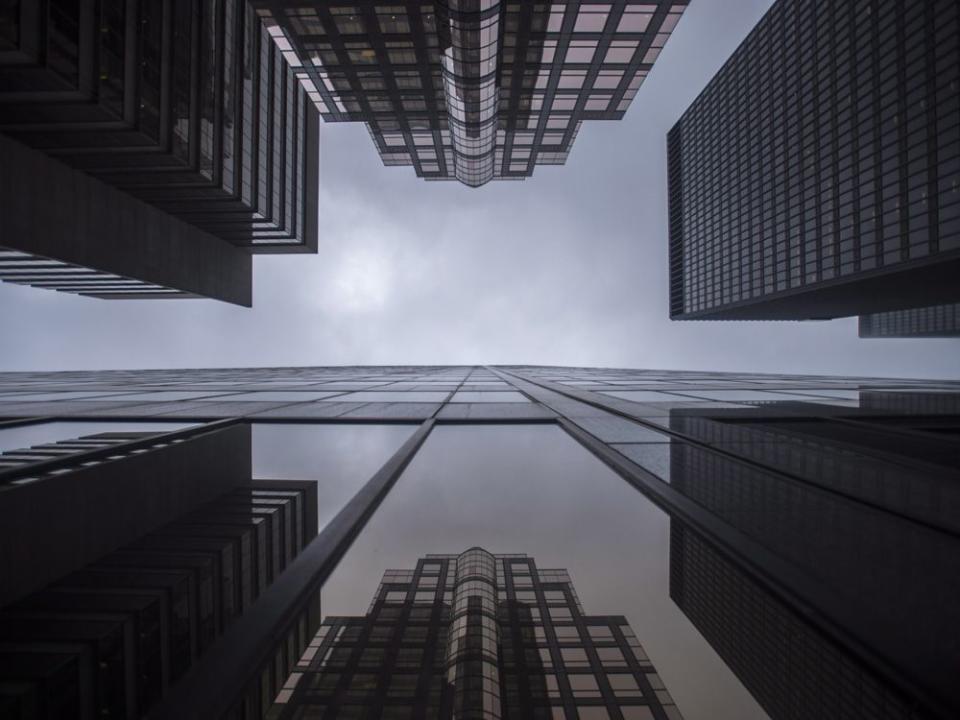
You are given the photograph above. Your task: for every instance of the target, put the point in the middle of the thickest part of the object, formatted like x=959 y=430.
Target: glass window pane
x=24 y=436
x=340 y=457
x=520 y=489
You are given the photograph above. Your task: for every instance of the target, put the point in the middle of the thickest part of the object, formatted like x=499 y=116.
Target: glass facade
x=785 y=546
x=189 y=156
x=150 y=609
x=936 y=321
x=473 y=91
x=818 y=174
x=480 y=636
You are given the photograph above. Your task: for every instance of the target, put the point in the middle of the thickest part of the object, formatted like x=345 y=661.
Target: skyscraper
x=150 y=148
x=887 y=538
x=818 y=174
x=799 y=521
x=130 y=576
x=476 y=635
x=936 y=321
x=472 y=90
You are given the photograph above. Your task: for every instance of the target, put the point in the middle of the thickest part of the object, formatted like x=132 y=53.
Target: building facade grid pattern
x=559 y=63
x=767 y=456
x=825 y=150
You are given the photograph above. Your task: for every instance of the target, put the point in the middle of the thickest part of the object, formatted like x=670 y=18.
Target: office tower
x=135 y=600
x=150 y=149
x=476 y=635
x=936 y=321
x=105 y=490
x=888 y=538
x=472 y=90
x=818 y=174
x=792 y=670
x=822 y=506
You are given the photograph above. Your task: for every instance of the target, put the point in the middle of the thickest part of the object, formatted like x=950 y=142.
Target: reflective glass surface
x=534 y=490
x=163 y=396
x=787 y=543
x=275 y=396
x=24 y=436
x=340 y=457
x=490 y=396
x=67 y=395
x=399 y=396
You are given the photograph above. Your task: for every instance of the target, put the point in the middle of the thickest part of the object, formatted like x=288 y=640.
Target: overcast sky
x=566 y=268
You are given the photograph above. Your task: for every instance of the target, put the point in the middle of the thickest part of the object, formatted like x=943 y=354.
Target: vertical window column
x=472 y=41
x=472 y=668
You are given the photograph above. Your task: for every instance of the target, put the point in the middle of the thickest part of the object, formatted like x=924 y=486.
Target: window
x=381 y=633
x=362 y=684
x=600 y=633
x=574 y=657
x=592 y=712
x=636 y=712
x=394 y=21
x=581 y=51
x=403 y=685
x=372 y=657
x=634 y=20
x=415 y=633
x=621 y=51
x=572 y=79
x=592 y=18
x=611 y=657
x=584 y=686
x=409 y=656
x=624 y=685
x=608 y=79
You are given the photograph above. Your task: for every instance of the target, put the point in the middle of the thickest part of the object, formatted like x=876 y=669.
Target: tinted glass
x=24 y=436
x=341 y=458
x=534 y=490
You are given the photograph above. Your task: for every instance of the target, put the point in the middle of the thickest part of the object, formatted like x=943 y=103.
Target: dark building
x=472 y=90
x=792 y=670
x=776 y=476
x=111 y=636
x=173 y=138
x=936 y=321
x=476 y=636
x=818 y=174
x=809 y=536
x=102 y=491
